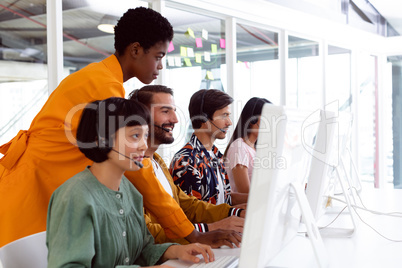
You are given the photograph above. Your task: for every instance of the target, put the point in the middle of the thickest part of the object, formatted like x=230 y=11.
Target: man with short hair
x=198 y=168
x=207 y=218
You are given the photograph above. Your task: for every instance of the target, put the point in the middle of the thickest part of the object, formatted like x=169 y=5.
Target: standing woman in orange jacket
x=39 y=160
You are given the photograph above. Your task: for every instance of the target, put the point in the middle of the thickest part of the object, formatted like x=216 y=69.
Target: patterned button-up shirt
x=195 y=171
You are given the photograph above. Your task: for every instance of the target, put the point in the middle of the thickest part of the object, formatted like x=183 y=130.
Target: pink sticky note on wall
x=198 y=42
x=171 y=47
x=222 y=43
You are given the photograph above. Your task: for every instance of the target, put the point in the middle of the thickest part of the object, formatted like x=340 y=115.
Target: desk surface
x=366 y=249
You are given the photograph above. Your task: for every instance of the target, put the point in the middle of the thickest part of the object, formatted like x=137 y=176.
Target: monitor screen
x=332 y=141
x=283 y=155
x=319 y=184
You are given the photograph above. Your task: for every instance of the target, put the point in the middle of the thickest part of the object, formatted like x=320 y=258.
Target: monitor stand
x=341 y=232
x=313 y=233
x=353 y=183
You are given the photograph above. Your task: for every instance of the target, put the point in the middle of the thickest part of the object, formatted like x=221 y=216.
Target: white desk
x=366 y=249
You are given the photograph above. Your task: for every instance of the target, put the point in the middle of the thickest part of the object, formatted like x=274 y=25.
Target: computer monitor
x=343 y=156
x=276 y=194
x=326 y=171
x=319 y=185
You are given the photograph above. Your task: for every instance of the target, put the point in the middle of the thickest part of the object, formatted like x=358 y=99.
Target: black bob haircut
x=101 y=119
x=142 y=25
x=204 y=103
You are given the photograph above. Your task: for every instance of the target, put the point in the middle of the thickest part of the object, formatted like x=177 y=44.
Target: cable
x=326 y=226
x=374 y=212
x=358 y=195
x=375 y=230
x=337 y=216
x=392 y=214
x=355 y=207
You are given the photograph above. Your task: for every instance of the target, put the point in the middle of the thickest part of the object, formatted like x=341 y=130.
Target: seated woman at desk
x=95 y=219
x=240 y=152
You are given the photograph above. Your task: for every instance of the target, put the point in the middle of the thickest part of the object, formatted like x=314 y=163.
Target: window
x=303 y=78
x=366 y=76
x=195 y=60
x=23 y=74
x=257 y=65
x=338 y=98
x=338 y=78
x=84 y=42
x=393 y=121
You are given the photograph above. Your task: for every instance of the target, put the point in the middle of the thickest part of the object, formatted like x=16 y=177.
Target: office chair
x=30 y=251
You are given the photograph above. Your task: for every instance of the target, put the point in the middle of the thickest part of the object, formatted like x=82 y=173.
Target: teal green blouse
x=90 y=225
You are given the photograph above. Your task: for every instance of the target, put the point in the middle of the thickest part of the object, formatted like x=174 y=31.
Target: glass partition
x=366 y=75
x=338 y=87
x=23 y=70
x=303 y=74
x=257 y=64
x=338 y=98
x=195 y=60
x=393 y=121
x=23 y=55
x=85 y=41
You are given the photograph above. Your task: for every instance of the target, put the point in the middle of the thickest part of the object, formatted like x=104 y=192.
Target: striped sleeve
x=235 y=212
x=201 y=227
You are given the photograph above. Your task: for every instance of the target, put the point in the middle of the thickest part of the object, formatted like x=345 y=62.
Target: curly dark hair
x=142 y=25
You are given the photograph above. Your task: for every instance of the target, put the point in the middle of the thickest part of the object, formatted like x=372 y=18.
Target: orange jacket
x=39 y=160
x=197 y=211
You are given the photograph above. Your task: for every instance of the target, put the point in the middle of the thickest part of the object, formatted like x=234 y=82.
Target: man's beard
x=161 y=137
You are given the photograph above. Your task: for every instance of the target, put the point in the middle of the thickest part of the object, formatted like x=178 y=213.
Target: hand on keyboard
x=216 y=238
x=230 y=223
x=189 y=253
x=220 y=262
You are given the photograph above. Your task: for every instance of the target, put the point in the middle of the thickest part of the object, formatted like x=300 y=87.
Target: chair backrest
x=30 y=251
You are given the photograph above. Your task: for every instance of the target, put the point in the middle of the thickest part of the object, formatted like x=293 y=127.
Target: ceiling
x=23 y=30
x=391 y=10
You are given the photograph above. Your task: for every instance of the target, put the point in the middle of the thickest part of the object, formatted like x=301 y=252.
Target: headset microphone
x=163 y=128
x=224 y=131
x=204 y=116
x=140 y=165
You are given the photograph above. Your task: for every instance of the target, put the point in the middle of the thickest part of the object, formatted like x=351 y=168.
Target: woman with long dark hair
x=240 y=152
